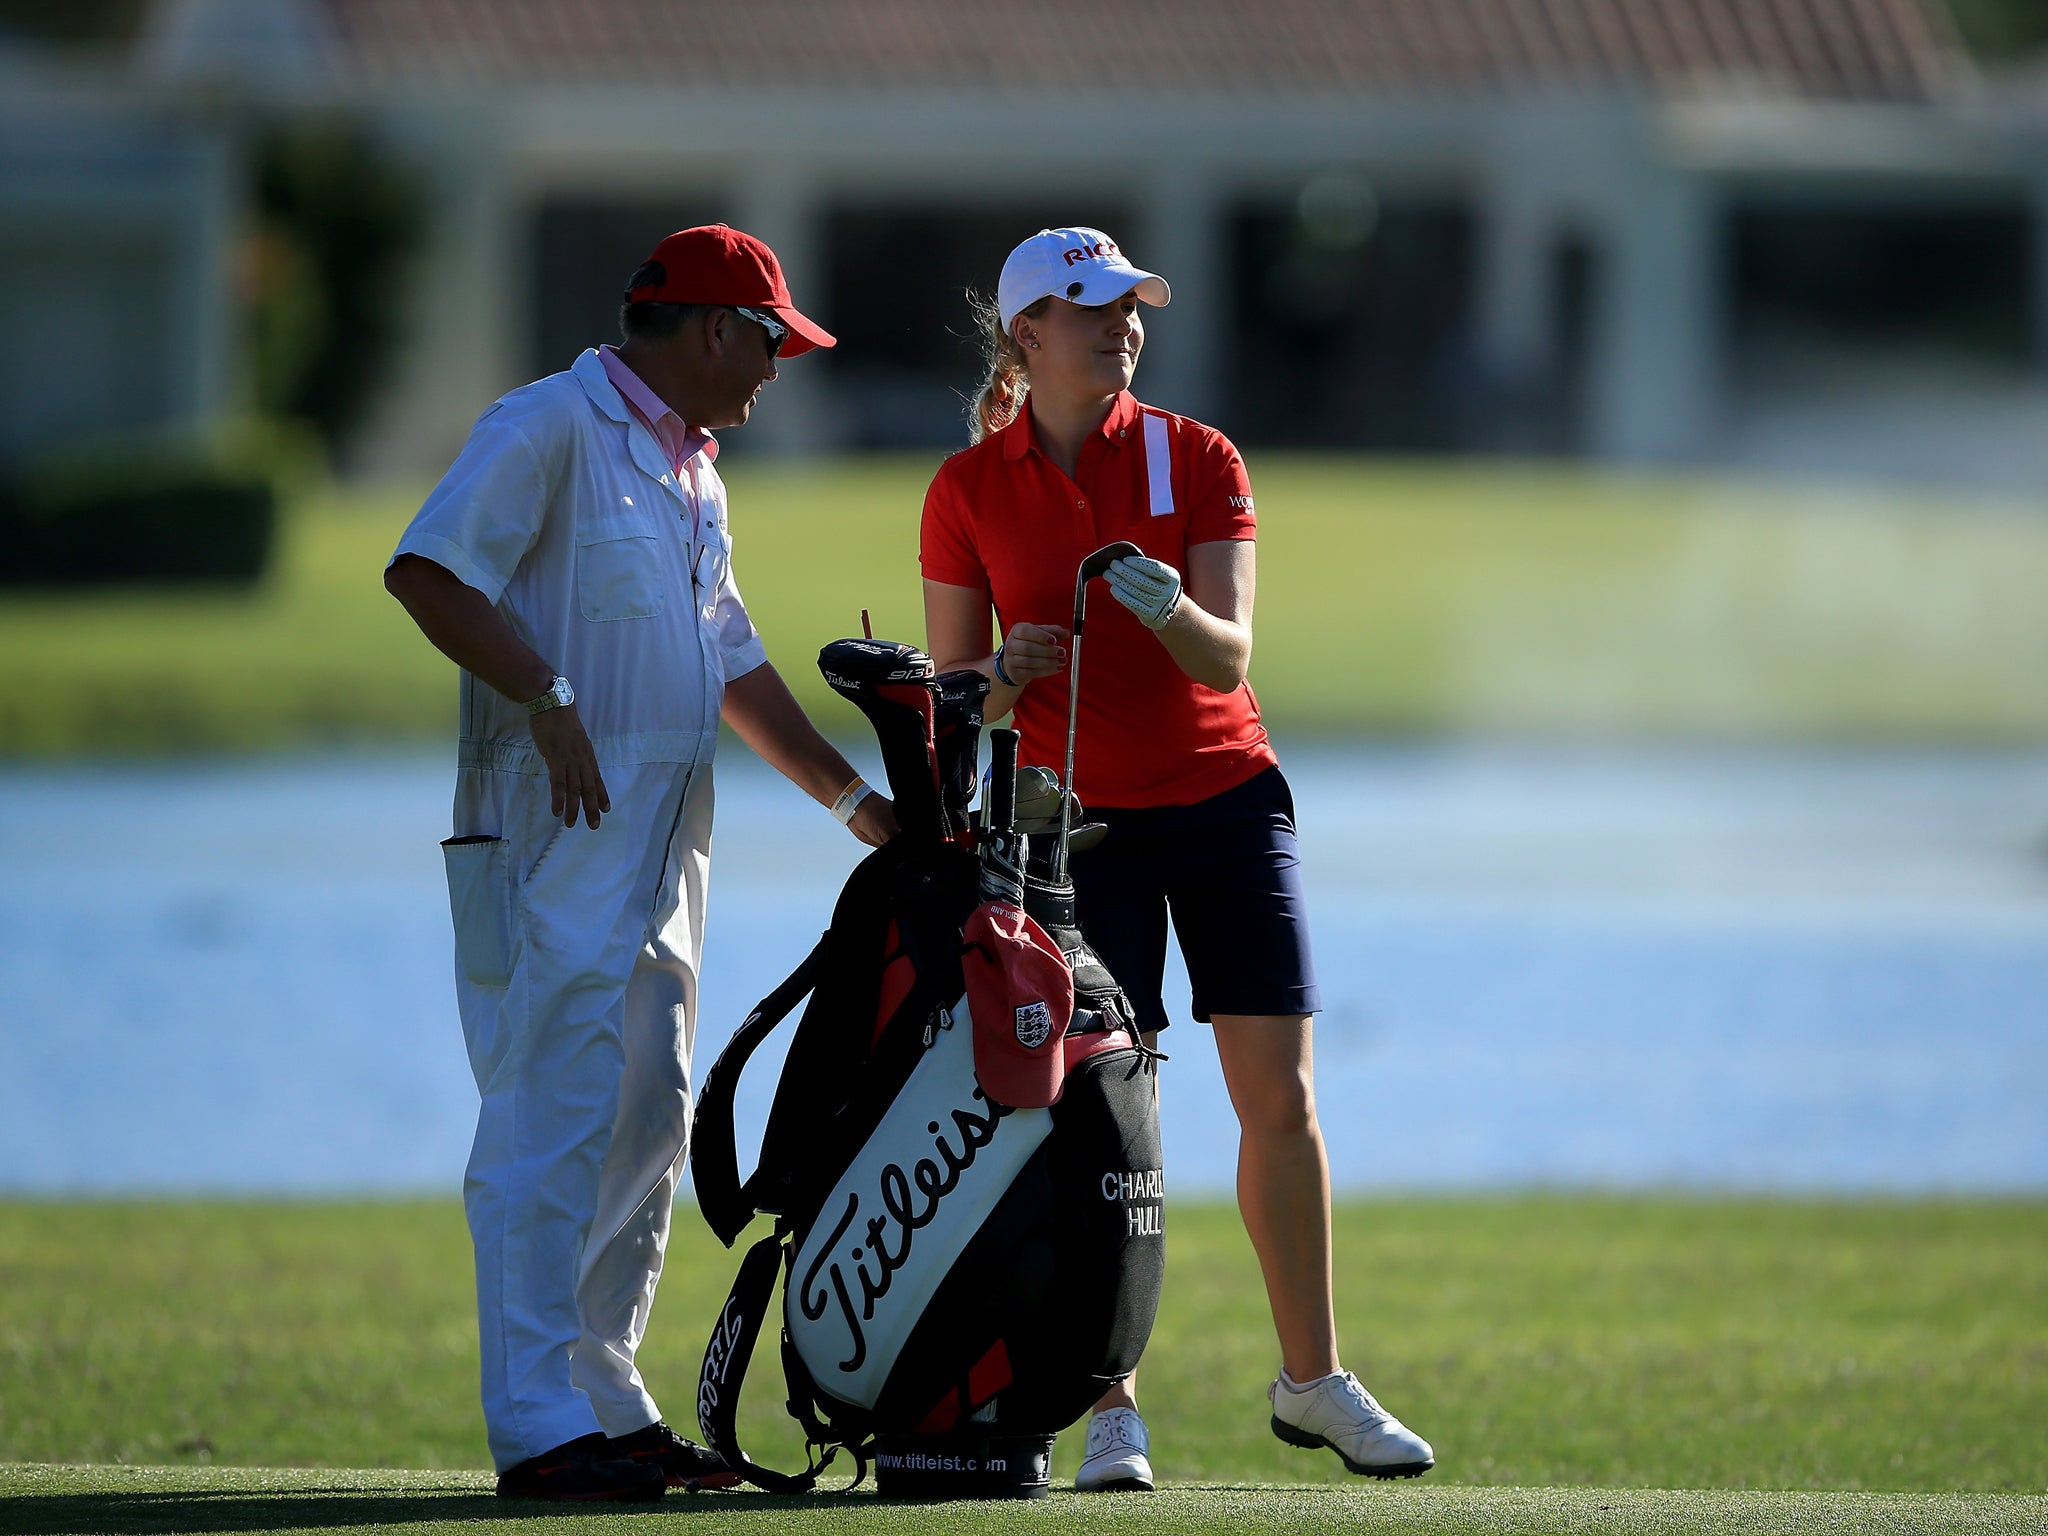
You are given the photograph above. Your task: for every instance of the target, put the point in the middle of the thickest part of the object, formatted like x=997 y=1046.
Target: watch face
x=563 y=693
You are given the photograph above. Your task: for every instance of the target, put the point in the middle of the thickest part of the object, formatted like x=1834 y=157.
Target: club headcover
x=891 y=683
x=956 y=731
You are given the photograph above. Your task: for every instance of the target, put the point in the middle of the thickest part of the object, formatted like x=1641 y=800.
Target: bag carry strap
x=725 y=1370
x=714 y=1156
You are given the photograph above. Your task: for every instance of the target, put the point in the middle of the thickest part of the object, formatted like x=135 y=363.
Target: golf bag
x=962 y=1155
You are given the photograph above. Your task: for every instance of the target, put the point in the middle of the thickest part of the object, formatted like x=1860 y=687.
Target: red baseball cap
x=716 y=264
x=1020 y=994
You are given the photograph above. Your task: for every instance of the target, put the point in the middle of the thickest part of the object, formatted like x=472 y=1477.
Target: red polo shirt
x=1002 y=517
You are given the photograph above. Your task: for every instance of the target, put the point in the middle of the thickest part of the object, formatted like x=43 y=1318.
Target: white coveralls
x=578 y=951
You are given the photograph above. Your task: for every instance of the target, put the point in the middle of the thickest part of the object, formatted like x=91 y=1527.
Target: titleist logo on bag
x=891 y=1234
x=858 y=1293
x=718 y=1359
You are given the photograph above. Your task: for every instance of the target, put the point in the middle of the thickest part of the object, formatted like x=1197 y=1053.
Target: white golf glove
x=1149 y=588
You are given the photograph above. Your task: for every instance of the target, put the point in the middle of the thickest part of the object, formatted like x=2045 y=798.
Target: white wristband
x=849 y=802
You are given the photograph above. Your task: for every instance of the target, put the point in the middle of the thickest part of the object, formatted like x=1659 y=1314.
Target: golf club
x=1002 y=846
x=1091 y=567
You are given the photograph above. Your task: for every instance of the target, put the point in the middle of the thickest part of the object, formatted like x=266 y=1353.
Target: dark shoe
x=685 y=1463
x=581 y=1471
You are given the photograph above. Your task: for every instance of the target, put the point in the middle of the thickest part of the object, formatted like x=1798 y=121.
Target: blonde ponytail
x=1009 y=372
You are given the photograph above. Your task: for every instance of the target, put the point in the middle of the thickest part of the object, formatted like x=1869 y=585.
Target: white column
x=780 y=205
x=1517 y=232
x=463 y=337
x=203 y=322
x=1657 y=320
x=1184 y=236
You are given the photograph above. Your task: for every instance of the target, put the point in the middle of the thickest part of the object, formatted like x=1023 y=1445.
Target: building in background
x=117 y=224
x=1798 y=235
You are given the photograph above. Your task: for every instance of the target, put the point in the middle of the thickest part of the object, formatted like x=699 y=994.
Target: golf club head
x=1098 y=562
x=1082 y=836
x=1038 y=809
x=1092 y=567
x=1085 y=836
x=1038 y=799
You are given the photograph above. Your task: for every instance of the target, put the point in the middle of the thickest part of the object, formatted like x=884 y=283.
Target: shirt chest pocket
x=618 y=567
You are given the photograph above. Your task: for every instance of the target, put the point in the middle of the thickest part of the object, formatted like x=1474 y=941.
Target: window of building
x=584 y=250
x=909 y=362
x=1351 y=321
x=1821 y=287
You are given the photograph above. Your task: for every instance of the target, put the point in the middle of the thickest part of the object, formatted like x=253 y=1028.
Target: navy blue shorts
x=1228 y=870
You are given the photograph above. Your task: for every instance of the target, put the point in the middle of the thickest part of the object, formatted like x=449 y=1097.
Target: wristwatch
x=559 y=693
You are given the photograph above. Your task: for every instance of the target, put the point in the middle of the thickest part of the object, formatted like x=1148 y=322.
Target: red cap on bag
x=716 y=264
x=1021 y=994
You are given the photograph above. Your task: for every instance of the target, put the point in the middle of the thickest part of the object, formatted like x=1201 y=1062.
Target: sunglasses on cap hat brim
x=778 y=333
x=790 y=332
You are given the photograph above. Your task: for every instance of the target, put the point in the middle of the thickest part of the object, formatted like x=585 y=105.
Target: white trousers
x=577 y=957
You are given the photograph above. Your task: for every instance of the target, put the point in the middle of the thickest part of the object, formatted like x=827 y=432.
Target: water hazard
x=1729 y=970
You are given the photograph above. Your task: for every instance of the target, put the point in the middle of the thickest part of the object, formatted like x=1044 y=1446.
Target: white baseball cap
x=1082 y=266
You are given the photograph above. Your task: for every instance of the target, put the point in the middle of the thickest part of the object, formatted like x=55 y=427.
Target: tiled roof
x=1842 y=49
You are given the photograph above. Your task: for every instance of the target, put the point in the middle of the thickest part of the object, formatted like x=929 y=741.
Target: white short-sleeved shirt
x=564 y=512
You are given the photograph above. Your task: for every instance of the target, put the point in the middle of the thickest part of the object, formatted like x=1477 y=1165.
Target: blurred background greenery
x=1399 y=598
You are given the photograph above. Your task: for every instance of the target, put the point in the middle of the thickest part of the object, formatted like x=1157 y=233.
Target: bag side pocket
x=480 y=900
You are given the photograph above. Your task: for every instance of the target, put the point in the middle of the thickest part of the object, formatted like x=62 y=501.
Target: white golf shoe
x=1339 y=1413
x=1116 y=1460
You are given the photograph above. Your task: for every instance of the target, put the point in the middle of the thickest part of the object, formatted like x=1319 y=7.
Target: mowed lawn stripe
x=1537 y=1341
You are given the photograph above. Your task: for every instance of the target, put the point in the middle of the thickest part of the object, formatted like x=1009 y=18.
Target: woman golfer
x=1170 y=754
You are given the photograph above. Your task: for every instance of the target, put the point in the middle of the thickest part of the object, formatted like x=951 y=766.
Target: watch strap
x=559 y=693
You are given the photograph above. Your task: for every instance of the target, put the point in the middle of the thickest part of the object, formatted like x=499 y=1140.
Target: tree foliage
x=1999 y=30
x=336 y=220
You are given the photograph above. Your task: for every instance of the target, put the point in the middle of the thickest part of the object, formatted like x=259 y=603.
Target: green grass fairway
x=46 y=1501
x=1542 y=1342
x=1392 y=596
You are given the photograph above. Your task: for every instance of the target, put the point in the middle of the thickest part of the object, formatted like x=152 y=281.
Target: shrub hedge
x=143 y=519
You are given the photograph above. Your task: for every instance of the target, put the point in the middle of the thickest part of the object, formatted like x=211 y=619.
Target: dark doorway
x=1829 y=279
x=1574 y=288
x=584 y=249
x=909 y=361
x=1351 y=322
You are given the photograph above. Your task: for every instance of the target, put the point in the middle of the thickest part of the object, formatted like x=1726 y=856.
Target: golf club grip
x=1002 y=780
x=1093 y=567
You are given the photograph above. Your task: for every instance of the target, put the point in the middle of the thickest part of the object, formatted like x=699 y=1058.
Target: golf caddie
x=575 y=563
